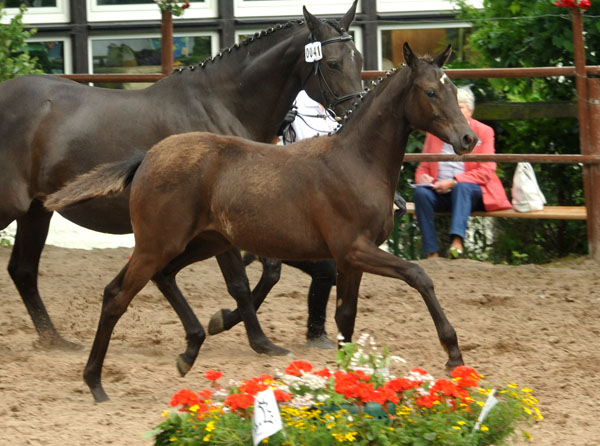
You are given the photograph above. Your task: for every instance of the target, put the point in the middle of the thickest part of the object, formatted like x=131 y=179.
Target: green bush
x=14 y=58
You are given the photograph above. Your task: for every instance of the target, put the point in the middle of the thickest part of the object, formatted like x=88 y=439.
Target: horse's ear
x=312 y=22
x=409 y=56
x=349 y=17
x=441 y=59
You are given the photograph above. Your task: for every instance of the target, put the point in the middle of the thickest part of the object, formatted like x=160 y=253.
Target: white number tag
x=312 y=52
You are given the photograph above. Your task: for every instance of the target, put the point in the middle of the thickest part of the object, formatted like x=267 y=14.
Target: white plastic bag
x=526 y=194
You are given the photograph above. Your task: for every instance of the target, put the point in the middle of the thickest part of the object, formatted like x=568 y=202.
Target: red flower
x=420 y=371
x=585 y=4
x=239 y=401
x=297 y=367
x=205 y=394
x=401 y=384
x=185 y=398
x=323 y=373
x=427 y=400
x=185 y=6
x=212 y=375
x=465 y=376
x=281 y=396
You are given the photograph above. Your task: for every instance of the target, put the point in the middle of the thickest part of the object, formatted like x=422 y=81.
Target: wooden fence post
x=166 y=31
x=590 y=187
x=592 y=171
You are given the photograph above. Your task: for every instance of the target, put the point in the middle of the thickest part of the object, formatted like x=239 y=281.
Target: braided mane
x=245 y=42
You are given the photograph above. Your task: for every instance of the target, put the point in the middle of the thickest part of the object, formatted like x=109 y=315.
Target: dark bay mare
x=325 y=197
x=52 y=130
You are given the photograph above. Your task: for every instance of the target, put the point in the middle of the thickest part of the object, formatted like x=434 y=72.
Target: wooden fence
x=587 y=112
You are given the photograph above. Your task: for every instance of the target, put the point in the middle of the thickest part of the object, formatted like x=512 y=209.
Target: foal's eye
x=430 y=93
x=333 y=64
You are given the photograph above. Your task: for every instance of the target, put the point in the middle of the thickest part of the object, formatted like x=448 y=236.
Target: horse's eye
x=333 y=64
x=430 y=93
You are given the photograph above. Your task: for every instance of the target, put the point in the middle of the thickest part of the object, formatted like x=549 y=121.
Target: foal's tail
x=106 y=179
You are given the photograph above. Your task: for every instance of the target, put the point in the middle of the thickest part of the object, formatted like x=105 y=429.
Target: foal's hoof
x=217 y=322
x=321 y=341
x=268 y=348
x=99 y=394
x=183 y=366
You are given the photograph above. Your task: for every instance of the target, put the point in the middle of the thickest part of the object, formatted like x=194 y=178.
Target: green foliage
x=14 y=59
x=528 y=33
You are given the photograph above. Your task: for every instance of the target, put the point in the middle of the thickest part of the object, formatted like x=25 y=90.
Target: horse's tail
x=106 y=179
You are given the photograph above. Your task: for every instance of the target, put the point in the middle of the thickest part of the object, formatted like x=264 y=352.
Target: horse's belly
x=108 y=215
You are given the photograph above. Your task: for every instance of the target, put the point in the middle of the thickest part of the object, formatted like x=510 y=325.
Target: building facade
x=123 y=36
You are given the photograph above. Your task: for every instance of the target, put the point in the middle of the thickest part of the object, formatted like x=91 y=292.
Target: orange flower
x=297 y=367
x=213 y=375
x=239 y=401
x=465 y=376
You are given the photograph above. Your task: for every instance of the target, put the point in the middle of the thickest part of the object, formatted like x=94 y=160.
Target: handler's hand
x=425 y=179
x=443 y=186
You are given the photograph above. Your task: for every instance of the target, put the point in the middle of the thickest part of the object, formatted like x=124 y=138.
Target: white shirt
x=311 y=120
x=448 y=169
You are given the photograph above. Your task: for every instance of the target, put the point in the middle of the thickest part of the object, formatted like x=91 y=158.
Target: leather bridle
x=322 y=82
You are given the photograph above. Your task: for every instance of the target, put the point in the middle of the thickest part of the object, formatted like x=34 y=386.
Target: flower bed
x=358 y=404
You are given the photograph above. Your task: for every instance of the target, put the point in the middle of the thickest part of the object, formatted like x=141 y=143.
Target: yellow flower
x=461 y=422
x=172 y=439
x=194 y=408
x=350 y=436
x=484 y=428
x=456 y=427
x=206 y=437
x=210 y=426
x=165 y=413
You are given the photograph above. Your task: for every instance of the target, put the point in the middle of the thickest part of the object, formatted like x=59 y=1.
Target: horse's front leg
x=366 y=256
x=234 y=273
x=225 y=319
x=347 y=283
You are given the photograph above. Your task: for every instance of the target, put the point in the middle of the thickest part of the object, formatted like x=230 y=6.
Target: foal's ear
x=349 y=17
x=312 y=22
x=409 y=57
x=441 y=59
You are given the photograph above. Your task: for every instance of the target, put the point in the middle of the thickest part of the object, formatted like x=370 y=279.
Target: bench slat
x=549 y=212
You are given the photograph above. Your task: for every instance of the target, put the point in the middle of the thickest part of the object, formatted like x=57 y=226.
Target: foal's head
x=336 y=78
x=431 y=103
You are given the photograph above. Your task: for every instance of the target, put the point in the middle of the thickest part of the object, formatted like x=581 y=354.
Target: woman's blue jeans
x=464 y=198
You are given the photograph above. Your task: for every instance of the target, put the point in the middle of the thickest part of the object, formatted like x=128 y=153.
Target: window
x=421 y=6
x=38 y=11
x=53 y=54
x=423 y=39
x=142 y=54
x=117 y=10
x=290 y=8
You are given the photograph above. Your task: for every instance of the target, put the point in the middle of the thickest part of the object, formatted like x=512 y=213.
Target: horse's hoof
x=216 y=324
x=321 y=342
x=183 y=366
x=99 y=394
x=270 y=349
x=453 y=363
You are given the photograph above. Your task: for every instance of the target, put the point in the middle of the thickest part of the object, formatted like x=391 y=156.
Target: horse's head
x=334 y=79
x=431 y=104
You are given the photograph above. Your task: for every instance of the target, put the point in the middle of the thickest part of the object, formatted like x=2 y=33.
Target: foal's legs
x=117 y=297
x=225 y=319
x=367 y=257
x=32 y=229
x=234 y=273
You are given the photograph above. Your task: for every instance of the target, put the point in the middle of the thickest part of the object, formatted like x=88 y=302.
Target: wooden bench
x=549 y=212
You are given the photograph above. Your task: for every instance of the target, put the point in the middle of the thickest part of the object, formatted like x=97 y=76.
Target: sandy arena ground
x=535 y=325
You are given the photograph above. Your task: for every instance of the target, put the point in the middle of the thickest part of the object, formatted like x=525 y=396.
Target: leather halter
x=322 y=82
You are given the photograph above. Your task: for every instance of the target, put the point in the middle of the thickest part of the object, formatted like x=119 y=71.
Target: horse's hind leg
x=32 y=229
x=117 y=297
x=225 y=319
x=234 y=273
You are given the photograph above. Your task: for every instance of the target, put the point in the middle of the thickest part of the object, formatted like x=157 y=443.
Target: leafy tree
x=14 y=59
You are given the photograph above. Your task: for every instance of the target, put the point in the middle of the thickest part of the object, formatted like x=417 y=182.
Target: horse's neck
x=376 y=131
x=249 y=88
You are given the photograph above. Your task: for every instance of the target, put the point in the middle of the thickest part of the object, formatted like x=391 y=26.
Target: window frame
x=214 y=35
x=150 y=11
x=290 y=8
x=414 y=6
x=67 y=49
x=60 y=13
